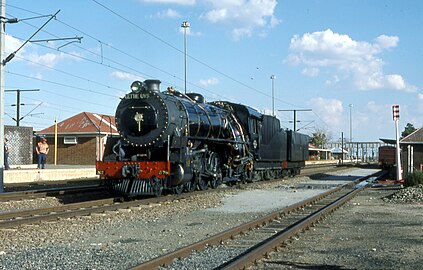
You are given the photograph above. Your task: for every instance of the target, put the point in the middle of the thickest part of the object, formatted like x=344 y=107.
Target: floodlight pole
x=342 y=148
x=351 y=138
x=185 y=25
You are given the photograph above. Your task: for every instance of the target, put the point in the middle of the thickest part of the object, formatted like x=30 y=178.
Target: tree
x=409 y=128
x=320 y=137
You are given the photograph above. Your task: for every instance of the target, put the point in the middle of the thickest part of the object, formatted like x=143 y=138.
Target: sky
x=339 y=64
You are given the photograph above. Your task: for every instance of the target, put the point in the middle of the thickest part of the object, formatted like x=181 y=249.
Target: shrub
x=414 y=178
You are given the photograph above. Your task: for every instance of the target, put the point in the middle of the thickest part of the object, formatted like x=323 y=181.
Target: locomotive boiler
x=171 y=141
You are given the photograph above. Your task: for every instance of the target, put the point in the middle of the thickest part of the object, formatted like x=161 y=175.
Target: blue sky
x=325 y=55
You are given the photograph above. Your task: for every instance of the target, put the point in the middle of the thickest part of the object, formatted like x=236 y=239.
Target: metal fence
x=20 y=144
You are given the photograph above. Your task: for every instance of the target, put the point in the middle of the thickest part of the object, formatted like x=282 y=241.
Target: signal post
x=396 y=116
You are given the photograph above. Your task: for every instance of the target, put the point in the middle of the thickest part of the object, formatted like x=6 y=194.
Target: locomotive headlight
x=136 y=86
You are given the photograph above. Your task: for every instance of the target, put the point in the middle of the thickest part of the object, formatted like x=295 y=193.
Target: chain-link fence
x=20 y=144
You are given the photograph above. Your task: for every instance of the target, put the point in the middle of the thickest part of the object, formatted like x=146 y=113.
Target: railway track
x=65 y=190
x=42 y=193
x=17 y=218
x=249 y=243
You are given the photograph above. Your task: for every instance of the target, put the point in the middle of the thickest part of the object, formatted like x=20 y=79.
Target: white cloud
x=351 y=59
x=312 y=72
x=209 y=82
x=244 y=16
x=169 y=13
x=48 y=59
x=420 y=96
x=387 y=41
x=27 y=52
x=12 y=44
x=126 y=76
x=330 y=110
x=374 y=108
x=176 y=2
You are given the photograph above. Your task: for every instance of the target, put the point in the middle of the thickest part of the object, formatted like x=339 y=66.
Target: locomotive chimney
x=153 y=85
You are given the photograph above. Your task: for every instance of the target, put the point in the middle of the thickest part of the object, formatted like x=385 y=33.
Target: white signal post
x=396 y=117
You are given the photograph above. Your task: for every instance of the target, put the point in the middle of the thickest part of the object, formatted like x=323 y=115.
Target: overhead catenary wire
x=197 y=60
x=149 y=64
x=191 y=57
x=135 y=72
x=101 y=57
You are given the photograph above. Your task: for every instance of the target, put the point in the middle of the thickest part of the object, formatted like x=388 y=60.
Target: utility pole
x=295 y=115
x=2 y=44
x=18 y=102
x=3 y=62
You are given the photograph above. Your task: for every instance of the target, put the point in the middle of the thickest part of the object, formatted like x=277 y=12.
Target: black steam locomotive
x=170 y=141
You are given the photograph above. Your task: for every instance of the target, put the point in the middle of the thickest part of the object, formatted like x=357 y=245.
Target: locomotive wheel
x=178 y=189
x=267 y=175
x=213 y=166
x=216 y=181
x=156 y=186
x=202 y=183
x=190 y=186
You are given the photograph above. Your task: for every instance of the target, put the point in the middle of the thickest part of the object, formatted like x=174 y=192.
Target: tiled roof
x=86 y=123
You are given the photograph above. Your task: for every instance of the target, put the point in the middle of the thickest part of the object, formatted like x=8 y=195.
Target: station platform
x=30 y=173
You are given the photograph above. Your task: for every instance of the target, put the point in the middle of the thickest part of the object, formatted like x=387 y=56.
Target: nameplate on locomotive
x=137 y=95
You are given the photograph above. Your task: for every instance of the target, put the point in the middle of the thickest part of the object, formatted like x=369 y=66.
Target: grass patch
x=413 y=179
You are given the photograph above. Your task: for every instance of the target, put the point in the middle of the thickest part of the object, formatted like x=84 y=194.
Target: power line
x=62 y=84
x=54 y=93
x=136 y=58
x=191 y=57
x=144 y=62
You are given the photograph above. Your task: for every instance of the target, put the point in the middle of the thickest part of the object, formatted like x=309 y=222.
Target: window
x=70 y=140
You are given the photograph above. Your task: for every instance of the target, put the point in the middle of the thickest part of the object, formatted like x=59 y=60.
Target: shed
x=316 y=153
x=339 y=153
x=412 y=152
x=80 y=138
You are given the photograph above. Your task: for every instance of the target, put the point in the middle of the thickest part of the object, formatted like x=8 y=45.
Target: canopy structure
x=337 y=150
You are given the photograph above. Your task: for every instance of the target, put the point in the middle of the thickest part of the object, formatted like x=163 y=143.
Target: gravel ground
x=121 y=239
x=29 y=204
x=376 y=230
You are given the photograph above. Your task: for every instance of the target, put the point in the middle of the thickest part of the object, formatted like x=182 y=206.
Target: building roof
x=338 y=150
x=414 y=138
x=84 y=123
x=312 y=147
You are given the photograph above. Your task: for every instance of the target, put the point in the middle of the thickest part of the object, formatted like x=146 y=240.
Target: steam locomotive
x=174 y=142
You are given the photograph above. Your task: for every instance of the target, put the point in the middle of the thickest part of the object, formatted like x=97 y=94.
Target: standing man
x=42 y=151
x=6 y=155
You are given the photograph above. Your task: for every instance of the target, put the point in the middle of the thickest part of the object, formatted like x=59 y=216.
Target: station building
x=79 y=140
